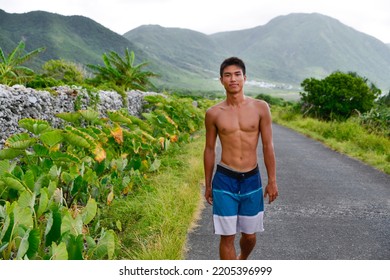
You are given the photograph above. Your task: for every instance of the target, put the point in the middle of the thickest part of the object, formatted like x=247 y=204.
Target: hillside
x=293 y=47
x=74 y=38
x=180 y=53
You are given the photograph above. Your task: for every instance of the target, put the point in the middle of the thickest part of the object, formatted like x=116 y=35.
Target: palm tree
x=11 y=69
x=121 y=72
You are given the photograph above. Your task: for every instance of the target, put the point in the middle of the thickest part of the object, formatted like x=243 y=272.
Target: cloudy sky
x=209 y=16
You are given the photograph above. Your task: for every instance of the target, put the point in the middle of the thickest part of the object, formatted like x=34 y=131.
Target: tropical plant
x=121 y=72
x=338 y=96
x=50 y=200
x=53 y=180
x=11 y=69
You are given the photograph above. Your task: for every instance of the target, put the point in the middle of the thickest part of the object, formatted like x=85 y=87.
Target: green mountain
x=182 y=57
x=293 y=47
x=286 y=50
x=74 y=38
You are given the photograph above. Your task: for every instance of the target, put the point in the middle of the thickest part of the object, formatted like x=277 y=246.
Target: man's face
x=233 y=79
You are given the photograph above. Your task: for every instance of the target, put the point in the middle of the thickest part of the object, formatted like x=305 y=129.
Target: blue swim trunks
x=238 y=204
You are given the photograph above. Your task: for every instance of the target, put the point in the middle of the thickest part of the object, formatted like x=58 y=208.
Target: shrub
x=337 y=96
x=64 y=71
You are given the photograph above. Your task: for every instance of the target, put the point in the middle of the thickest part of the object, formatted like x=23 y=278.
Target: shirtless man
x=236 y=191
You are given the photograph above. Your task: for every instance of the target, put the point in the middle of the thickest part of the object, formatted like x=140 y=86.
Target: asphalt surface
x=330 y=207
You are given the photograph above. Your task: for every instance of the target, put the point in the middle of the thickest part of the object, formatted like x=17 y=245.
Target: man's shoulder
x=257 y=102
x=215 y=108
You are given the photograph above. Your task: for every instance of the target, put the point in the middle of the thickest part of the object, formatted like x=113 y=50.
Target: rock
x=18 y=102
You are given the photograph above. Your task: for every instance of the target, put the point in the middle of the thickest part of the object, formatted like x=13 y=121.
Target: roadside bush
x=288 y=113
x=337 y=96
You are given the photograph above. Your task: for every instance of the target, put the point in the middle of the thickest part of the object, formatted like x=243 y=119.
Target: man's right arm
x=209 y=153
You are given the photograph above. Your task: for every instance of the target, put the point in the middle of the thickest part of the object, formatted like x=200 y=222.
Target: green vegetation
x=58 y=72
x=65 y=71
x=117 y=73
x=55 y=183
x=155 y=220
x=337 y=96
x=377 y=120
x=121 y=73
x=11 y=69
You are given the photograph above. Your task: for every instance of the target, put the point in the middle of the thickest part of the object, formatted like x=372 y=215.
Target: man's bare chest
x=230 y=121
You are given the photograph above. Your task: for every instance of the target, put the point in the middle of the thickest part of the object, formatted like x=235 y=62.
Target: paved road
x=330 y=207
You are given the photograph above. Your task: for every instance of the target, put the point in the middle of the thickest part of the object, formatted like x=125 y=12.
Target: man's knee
x=249 y=237
x=227 y=239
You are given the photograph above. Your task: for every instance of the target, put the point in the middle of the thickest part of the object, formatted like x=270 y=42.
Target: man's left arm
x=271 y=190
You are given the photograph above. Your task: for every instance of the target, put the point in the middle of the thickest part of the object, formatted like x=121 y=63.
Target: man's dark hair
x=232 y=61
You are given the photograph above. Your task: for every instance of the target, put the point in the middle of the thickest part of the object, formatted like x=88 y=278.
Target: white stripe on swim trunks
x=228 y=225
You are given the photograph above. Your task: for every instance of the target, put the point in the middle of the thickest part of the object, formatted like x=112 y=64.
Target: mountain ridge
x=61 y=35
x=311 y=43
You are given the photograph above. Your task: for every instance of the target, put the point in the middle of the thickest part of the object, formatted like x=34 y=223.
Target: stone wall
x=18 y=102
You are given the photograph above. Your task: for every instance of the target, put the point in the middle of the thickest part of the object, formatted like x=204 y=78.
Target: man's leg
x=226 y=247
x=247 y=243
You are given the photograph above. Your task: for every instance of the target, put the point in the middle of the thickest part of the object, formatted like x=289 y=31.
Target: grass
x=155 y=220
x=347 y=137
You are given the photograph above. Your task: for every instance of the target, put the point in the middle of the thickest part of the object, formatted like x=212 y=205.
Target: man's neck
x=235 y=99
